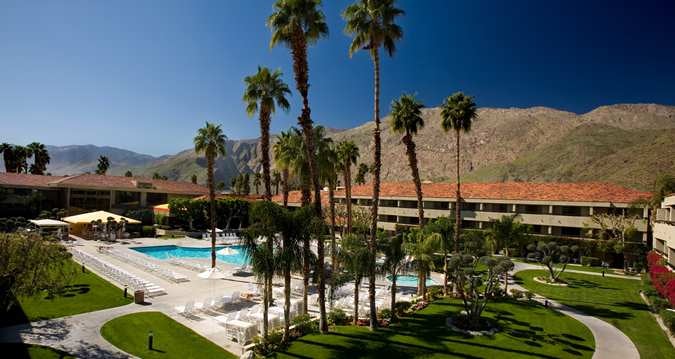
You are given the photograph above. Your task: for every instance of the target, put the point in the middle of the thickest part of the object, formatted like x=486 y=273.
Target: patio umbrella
x=227 y=251
x=212 y=273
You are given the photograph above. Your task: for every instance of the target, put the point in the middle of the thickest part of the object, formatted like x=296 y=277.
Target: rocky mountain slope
x=630 y=144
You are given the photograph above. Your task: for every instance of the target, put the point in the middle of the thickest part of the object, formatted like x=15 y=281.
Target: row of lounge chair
x=117 y=274
x=147 y=266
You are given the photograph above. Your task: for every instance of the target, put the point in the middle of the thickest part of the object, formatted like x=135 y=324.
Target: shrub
x=401 y=308
x=304 y=325
x=659 y=304
x=434 y=293
x=148 y=231
x=517 y=293
x=529 y=295
x=384 y=314
x=272 y=344
x=146 y=216
x=668 y=317
x=590 y=261
x=337 y=316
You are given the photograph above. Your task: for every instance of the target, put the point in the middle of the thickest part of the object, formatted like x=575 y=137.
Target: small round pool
x=409 y=281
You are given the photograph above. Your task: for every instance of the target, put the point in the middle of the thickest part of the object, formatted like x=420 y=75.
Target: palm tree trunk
x=377 y=154
x=304 y=189
x=212 y=200
x=458 y=196
x=423 y=284
x=333 y=244
x=323 y=322
x=357 y=284
x=305 y=274
x=284 y=185
x=412 y=161
x=348 y=195
x=393 y=296
x=266 y=304
x=445 y=270
x=287 y=298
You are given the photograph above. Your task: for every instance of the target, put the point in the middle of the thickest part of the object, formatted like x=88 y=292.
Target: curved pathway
x=610 y=342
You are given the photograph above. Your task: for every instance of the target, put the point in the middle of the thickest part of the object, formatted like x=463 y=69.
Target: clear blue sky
x=144 y=75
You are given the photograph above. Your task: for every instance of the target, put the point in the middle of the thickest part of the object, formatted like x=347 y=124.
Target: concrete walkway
x=610 y=342
x=78 y=335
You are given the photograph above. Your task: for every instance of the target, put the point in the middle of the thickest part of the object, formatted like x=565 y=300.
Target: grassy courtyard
x=86 y=292
x=528 y=331
x=171 y=339
x=614 y=300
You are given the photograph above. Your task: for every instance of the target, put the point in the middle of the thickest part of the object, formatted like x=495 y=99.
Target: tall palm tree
x=444 y=227
x=210 y=141
x=256 y=182
x=371 y=22
x=327 y=159
x=8 y=157
x=361 y=174
x=297 y=24
x=457 y=113
x=354 y=258
x=348 y=154
x=421 y=246
x=128 y=174
x=406 y=118
x=293 y=234
x=264 y=92
x=276 y=180
x=103 y=165
x=283 y=157
x=394 y=262
x=506 y=231
x=21 y=155
x=40 y=158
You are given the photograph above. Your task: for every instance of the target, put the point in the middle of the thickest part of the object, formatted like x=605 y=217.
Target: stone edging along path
x=610 y=342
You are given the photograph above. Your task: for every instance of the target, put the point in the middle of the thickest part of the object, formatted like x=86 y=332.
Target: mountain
x=629 y=144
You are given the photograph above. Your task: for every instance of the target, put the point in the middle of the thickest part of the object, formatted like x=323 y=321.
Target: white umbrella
x=212 y=273
x=227 y=251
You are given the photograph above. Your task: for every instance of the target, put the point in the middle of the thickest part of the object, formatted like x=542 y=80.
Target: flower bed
x=662 y=279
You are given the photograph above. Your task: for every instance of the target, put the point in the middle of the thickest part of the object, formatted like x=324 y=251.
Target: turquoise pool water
x=235 y=255
x=410 y=281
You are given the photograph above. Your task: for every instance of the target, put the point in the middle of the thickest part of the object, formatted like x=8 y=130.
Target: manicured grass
x=87 y=292
x=614 y=300
x=171 y=339
x=576 y=267
x=528 y=331
x=21 y=350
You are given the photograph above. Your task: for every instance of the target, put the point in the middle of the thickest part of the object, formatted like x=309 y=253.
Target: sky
x=144 y=75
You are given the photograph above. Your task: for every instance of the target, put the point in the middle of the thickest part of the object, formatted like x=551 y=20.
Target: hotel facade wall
x=559 y=219
x=664 y=230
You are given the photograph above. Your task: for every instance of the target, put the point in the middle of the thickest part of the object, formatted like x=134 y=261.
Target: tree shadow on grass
x=583 y=283
x=73 y=290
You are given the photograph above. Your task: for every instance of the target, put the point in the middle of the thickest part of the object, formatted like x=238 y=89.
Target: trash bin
x=139 y=297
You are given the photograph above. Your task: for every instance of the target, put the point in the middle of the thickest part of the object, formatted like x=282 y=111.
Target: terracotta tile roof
x=245 y=197
x=526 y=191
x=295 y=197
x=103 y=182
x=26 y=180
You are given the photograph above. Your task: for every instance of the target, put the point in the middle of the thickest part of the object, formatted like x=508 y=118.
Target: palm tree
x=348 y=154
x=293 y=234
x=103 y=165
x=421 y=246
x=210 y=141
x=40 y=158
x=264 y=92
x=21 y=155
x=406 y=118
x=361 y=174
x=505 y=231
x=297 y=24
x=193 y=179
x=457 y=113
x=8 y=156
x=355 y=260
x=276 y=179
x=371 y=22
x=444 y=227
x=394 y=262
x=283 y=158
x=256 y=182
x=128 y=174
x=327 y=159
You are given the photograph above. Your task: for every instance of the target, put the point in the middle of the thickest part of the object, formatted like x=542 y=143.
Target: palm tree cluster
x=103 y=165
x=16 y=158
x=241 y=184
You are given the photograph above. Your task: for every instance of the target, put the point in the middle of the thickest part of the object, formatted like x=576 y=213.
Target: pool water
x=410 y=281
x=235 y=256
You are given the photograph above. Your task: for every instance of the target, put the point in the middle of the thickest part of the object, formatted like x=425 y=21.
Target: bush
x=590 y=261
x=384 y=314
x=529 y=295
x=146 y=216
x=148 y=231
x=517 y=293
x=337 y=316
x=658 y=304
x=304 y=325
x=434 y=293
x=668 y=317
x=272 y=344
x=401 y=308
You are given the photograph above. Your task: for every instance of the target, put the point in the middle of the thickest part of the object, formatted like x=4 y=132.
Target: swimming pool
x=235 y=255
x=410 y=280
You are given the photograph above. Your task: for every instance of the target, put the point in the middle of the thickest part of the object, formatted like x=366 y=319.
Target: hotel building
x=664 y=230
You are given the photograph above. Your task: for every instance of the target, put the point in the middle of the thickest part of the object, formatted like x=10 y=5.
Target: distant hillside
x=630 y=144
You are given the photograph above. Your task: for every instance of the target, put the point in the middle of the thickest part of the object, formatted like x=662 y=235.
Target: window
x=436 y=205
x=407 y=204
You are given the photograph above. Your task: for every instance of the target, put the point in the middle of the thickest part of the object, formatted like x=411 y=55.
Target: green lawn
x=528 y=331
x=614 y=300
x=20 y=350
x=171 y=339
x=87 y=292
x=576 y=267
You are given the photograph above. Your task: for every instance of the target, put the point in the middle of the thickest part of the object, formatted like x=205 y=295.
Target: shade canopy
x=161 y=209
x=48 y=223
x=212 y=273
x=98 y=215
